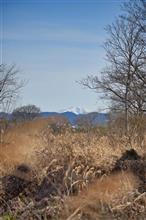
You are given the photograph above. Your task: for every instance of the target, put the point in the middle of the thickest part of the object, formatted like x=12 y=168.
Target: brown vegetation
x=70 y=174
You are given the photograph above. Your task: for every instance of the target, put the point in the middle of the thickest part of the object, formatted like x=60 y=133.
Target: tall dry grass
x=69 y=171
x=102 y=197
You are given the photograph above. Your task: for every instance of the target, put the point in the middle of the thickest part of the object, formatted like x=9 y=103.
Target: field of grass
x=70 y=174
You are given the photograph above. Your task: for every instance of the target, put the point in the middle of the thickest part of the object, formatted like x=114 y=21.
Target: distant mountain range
x=95 y=117
x=72 y=115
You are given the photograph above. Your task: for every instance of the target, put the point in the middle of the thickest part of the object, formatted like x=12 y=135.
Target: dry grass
x=108 y=192
x=69 y=171
x=20 y=143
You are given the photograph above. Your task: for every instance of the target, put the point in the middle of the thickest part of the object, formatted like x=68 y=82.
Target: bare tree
x=27 y=112
x=136 y=13
x=137 y=10
x=87 y=122
x=58 y=123
x=10 y=85
x=122 y=79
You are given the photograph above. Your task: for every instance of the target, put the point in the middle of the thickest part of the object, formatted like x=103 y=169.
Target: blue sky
x=56 y=43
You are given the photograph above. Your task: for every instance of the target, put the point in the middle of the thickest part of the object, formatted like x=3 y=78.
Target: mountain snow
x=76 y=110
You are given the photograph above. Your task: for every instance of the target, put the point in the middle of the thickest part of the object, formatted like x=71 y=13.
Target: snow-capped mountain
x=72 y=115
x=97 y=118
x=76 y=110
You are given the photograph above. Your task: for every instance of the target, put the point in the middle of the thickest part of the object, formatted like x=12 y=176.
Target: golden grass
x=108 y=190
x=22 y=141
x=79 y=162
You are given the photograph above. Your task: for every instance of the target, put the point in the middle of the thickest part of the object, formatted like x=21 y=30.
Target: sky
x=55 y=44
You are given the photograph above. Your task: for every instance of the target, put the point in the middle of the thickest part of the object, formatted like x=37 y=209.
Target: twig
x=74 y=213
x=140 y=196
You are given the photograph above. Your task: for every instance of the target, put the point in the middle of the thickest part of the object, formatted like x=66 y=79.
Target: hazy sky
x=55 y=43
